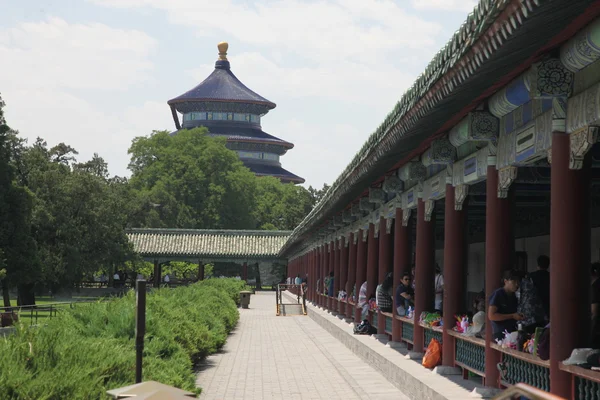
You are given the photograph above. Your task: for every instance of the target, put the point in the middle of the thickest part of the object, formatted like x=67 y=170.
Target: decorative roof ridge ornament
x=222 y=61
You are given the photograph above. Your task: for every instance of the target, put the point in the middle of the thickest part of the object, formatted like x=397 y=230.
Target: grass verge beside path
x=87 y=350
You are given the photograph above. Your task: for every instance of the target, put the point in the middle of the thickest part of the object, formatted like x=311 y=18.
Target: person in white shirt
x=167 y=279
x=298 y=280
x=439 y=289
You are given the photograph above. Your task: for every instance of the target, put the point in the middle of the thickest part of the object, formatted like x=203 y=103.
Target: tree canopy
x=64 y=220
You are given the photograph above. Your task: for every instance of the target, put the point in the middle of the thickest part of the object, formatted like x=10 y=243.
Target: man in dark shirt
x=404 y=295
x=541 y=281
x=502 y=311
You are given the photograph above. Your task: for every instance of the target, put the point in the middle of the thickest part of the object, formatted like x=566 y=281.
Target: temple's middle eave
x=245 y=139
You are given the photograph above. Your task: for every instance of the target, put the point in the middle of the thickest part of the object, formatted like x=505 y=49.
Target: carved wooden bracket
x=388 y=225
x=582 y=141
x=429 y=207
x=405 y=216
x=460 y=194
x=506 y=176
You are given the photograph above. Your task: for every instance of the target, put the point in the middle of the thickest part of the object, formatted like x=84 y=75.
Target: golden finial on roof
x=223 y=46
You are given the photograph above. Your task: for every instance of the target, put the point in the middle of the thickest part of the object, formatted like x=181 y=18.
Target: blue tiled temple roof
x=250 y=134
x=222 y=85
x=274 y=171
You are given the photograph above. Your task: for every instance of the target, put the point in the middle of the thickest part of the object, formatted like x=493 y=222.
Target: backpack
x=365 y=328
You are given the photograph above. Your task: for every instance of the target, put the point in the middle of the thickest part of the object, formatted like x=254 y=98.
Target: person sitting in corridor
x=439 y=289
x=383 y=294
x=404 y=295
x=363 y=302
x=503 y=304
x=330 y=285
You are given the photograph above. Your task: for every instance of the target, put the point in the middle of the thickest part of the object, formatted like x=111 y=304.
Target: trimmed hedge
x=90 y=349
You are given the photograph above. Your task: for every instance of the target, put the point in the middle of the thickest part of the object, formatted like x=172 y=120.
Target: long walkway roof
x=205 y=245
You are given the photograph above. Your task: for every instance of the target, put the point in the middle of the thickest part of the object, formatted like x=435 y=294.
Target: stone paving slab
x=410 y=376
x=288 y=357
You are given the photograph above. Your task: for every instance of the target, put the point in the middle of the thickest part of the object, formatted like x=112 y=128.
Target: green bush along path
x=89 y=349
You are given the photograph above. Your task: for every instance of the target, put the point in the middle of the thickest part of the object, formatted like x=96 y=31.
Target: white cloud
x=346 y=81
x=56 y=54
x=450 y=5
x=320 y=31
x=55 y=71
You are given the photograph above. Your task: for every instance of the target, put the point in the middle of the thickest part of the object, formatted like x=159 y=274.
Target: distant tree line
x=61 y=221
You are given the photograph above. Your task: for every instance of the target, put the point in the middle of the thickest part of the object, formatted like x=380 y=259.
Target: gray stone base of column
x=396 y=345
x=382 y=337
x=485 y=393
x=447 y=370
x=413 y=355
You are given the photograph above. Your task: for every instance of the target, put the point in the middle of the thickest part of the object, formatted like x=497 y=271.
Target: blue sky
x=97 y=73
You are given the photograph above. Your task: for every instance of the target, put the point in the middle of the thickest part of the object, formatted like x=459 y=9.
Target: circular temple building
x=226 y=107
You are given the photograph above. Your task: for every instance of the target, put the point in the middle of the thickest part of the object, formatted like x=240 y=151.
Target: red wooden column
x=311 y=275
x=570 y=261
x=316 y=277
x=330 y=267
x=323 y=252
x=372 y=261
x=385 y=263
x=324 y=269
x=401 y=265
x=424 y=272
x=499 y=253
x=343 y=269
x=361 y=271
x=454 y=270
x=336 y=274
x=351 y=281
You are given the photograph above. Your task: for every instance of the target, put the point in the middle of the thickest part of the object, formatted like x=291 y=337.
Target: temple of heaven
x=227 y=108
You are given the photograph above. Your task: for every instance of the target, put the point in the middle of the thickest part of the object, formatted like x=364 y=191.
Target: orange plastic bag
x=433 y=355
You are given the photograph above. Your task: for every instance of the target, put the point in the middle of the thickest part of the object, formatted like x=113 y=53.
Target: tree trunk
x=5 y=294
x=25 y=295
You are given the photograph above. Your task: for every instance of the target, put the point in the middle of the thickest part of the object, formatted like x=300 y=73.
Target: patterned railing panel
x=470 y=355
x=407 y=331
x=586 y=389
x=374 y=319
x=431 y=334
x=518 y=370
x=388 y=324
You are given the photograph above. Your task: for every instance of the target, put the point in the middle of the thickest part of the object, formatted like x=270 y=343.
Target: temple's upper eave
x=222 y=86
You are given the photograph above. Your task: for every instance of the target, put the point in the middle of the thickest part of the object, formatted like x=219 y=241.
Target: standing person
x=412 y=277
x=167 y=279
x=404 y=295
x=541 y=281
x=298 y=280
x=330 y=285
x=439 y=289
x=503 y=304
x=530 y=305
x=383 y=295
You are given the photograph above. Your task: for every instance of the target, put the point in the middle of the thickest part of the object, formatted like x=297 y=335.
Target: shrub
x=89 y=349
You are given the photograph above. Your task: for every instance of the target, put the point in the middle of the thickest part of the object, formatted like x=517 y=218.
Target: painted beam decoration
x=393 y=185
x=440 y=152
x=366 y=205
x=531 y=140
x=583 y=49
x=511 y=96
x=376 y=196
x=356 y=211
x=472 y=169
x=477 y=126
x=583 y=119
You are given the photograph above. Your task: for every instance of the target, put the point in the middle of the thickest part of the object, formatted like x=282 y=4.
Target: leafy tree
x=280 y=206
x=16 y=243
x=191 y=180
x=318 y=194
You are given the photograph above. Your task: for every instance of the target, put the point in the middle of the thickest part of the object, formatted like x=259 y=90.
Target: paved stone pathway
x=270 y=357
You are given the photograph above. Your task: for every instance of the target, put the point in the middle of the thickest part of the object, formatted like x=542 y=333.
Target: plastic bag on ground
x=433 y=355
